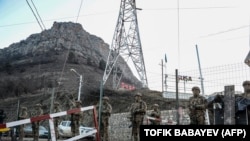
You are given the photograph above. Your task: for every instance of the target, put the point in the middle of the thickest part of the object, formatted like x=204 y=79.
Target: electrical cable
x=34 y=15
x=79 y=10
x=38 y=15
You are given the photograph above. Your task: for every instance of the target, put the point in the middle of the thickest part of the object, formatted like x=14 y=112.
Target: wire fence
x=214 y=79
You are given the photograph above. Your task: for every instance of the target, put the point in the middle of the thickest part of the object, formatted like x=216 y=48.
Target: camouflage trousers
x=35 y=131
x=136 y=122
x=56 y=123
x=104 y=128
x=197 y=118
x=21 y=133
x=75 y=125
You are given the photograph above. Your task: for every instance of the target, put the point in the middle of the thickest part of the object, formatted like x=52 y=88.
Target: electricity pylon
x=126 y=43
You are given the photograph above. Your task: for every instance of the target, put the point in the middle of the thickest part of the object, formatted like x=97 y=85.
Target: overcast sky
x=220 y=28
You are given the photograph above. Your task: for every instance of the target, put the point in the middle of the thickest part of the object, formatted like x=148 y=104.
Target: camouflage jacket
x=23 y=115
x=139 y=107
x=156 y=113
x=37 y=112
x=197 y=103
x=106 y=109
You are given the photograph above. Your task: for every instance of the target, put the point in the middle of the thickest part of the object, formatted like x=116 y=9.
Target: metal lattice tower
x=126 y=43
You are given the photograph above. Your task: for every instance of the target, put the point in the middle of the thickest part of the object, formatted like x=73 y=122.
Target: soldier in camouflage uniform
x=156 y=113
x=23 y=115
x=76 y=119
x=246 y=86
x=197 y=107
x=106 y=110
x=35 y=125
x=56 y=119
x=137 y=110
x=244 y=100
x=2 y=118
x=72 y=105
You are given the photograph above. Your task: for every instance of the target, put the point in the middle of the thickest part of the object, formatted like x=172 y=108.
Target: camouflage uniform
x=22 y=115
x=56 y=119
x=76 y=120
x=246 y=98
x=35 y=125
x=197 y=107
x=2 y=117
x=156 y=113
x=72 y=105
x=106 y=110
x=137 y=110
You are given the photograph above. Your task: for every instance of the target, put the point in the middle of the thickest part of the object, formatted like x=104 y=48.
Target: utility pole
x=202 y=86
x=80 y=83
x=162 y=74
x=177 y=97
x=166 y=76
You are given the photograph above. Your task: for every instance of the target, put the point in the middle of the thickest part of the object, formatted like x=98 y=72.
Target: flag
x=166 y=58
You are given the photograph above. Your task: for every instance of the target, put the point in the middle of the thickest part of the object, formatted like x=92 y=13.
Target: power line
x=190 y=8
x=38 y=14
x=79 y=10
x=34 y=15
x=56 y=19
x=178 y=14
x=225 y=31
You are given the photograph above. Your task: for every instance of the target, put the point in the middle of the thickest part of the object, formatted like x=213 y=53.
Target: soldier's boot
x=136 y=138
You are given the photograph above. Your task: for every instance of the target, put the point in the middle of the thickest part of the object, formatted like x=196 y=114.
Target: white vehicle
x=64 y=130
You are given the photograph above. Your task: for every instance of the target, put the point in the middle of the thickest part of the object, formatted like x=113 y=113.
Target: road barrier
x=51 y=123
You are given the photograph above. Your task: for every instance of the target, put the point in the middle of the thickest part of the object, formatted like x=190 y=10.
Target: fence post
x=229 y=101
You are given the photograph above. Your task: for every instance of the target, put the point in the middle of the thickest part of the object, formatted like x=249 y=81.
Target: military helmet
x=246 y=83
x=138 y=94
x=38 y=105
x=24 y=108
x=79 y=101
x=196 y=88
x=156 y=105
x=105 y=98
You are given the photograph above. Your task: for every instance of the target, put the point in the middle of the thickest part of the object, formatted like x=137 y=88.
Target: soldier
x=56 y=119
x=76 y=119
x=35 y=125
x=22 y=115
x=2 y=117
x=197 y=107
x=156 y=113
x=72 y=105
x=242 y=103
x=137 y=110
x=246 y=86
x=106 y=110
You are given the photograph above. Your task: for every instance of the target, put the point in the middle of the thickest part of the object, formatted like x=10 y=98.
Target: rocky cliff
x=44 y=60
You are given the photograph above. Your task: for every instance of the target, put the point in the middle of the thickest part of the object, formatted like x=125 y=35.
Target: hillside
x=44 y=60
x=37 y=70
